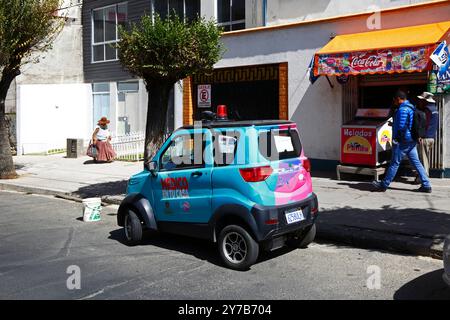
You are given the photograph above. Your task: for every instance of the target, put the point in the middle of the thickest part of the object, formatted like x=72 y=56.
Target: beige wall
x=287 y=11
x=64 y=62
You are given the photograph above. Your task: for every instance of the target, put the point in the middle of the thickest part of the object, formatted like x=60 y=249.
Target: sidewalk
x=398 y=220
x=64 y=177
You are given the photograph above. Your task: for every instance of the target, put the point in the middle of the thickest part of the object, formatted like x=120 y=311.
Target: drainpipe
x=264 y=13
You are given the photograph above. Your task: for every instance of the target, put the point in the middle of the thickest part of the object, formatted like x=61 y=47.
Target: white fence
x=129 y=147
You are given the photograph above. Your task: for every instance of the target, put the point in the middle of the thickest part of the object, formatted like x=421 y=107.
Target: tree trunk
x=158 y=99
x=7 y=169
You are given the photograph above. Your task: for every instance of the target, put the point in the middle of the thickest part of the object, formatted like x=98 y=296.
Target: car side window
x=225 y=146
x=180 y=154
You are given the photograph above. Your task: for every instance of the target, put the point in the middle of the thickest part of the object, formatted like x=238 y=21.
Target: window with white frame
x=231 y=14
x=185 y=9
x=105 y=33
x=101 y=103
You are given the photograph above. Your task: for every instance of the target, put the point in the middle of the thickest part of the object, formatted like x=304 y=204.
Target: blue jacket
x=432 y=120
x=403 y=119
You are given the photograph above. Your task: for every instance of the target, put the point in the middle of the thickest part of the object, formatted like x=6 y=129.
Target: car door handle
x=197 y=174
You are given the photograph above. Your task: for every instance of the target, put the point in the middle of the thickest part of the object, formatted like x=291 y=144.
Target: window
x=105 y=34
x=101 y=98
x=225 y=146
x=279 y=144
x=181 y=154
x=128 y=109
x=185 y=9
x=231 y=14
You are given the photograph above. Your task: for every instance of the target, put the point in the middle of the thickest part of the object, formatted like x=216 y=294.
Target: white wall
x=253 y=13
x=316 y=108
x=178 y=105
x=49 y=114
x=287 y=11
x=11 y=98
x=64 y=62
x=143 y=105
x=208 y=9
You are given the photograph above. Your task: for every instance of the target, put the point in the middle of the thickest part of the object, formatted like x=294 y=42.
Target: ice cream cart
x=366 y=142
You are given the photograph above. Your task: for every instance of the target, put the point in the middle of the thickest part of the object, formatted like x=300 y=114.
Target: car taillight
x=256 y=174
x=307 y=165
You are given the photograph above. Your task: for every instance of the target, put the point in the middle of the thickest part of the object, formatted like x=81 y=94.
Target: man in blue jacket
x=403 y=144
x=426 y=143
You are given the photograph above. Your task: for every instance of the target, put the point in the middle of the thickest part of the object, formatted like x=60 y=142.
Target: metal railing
x=129 y=147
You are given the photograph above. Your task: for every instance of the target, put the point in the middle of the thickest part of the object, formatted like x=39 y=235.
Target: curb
x=381 y=240
x=106 y=200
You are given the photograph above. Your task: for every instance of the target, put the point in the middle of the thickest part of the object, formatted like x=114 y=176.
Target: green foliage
x=26 y=26
x=168 y=50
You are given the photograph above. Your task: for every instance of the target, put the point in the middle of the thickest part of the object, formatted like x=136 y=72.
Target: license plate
x=294 y=216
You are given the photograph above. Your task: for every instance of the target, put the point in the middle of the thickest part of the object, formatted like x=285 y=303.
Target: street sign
x=204 y=96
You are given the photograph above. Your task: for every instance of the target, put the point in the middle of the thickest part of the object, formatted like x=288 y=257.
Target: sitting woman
x=101 y=139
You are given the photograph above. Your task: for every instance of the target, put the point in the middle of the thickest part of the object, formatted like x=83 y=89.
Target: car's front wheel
x=303 y=238
x=133 y=228
x=237 y=247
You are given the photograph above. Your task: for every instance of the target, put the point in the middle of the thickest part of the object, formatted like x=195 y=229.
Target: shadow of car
x=426 y=287
x=198 y=248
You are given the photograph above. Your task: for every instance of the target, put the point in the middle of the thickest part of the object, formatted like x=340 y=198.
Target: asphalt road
x=41 y=237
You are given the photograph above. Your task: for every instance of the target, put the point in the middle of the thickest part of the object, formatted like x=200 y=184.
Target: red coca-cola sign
x=366 y=61
x=373 y=61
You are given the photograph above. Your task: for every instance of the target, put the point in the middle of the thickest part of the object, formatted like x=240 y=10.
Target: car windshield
x=278 y=144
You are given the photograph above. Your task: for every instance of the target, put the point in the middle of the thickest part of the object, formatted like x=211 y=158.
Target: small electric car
x=245 y=185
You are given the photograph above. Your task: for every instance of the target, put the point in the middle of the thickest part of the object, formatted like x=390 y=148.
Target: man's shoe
x=379 y=186
x=424 y=189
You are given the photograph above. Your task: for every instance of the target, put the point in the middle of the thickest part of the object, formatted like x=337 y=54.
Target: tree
x=162 y=52
x=26 y=27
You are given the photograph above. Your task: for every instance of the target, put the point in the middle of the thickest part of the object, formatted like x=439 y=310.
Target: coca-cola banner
x=374 y=61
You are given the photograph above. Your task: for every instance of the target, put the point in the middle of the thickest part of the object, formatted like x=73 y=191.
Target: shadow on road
x=429 y=286
x=200 y=249
x=115 y=188
x=396 y=227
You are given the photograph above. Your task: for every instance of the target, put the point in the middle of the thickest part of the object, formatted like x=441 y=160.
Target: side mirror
x=152 y=166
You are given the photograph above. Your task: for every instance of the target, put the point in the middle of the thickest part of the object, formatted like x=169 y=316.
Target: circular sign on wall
x=204 y=96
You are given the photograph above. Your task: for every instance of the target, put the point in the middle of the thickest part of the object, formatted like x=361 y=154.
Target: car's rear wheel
x=303 y=238
x=237 y=247
x=132 y=228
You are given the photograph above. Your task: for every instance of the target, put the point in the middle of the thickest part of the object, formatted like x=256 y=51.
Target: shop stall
x=371 y=67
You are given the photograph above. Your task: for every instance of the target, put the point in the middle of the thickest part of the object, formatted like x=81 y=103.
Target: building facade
x=265 y=71
x=48 y=102
x=117 y=94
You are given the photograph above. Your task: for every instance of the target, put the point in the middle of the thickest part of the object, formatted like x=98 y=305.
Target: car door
x=182 y=187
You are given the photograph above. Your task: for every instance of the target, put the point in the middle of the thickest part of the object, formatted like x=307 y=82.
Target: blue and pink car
x=245 y=185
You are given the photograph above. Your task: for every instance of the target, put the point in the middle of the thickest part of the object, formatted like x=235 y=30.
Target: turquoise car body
x=192 y=200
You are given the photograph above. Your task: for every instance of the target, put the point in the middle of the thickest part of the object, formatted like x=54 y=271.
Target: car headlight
x=133 y=181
